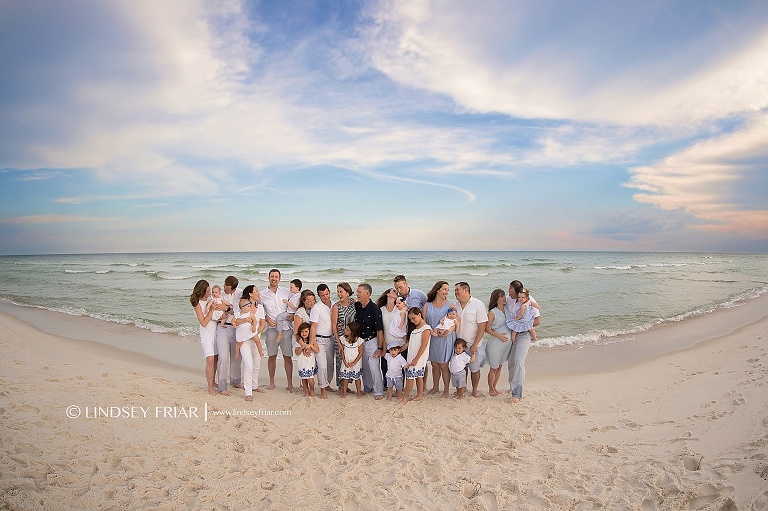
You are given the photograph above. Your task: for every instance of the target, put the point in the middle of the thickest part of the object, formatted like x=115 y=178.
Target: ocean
x=585 y=297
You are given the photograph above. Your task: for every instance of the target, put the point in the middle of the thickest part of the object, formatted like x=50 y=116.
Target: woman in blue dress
x=500 y=344
x=441 y=344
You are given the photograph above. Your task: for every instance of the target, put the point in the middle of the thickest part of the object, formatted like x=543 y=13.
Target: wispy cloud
x=52 y=219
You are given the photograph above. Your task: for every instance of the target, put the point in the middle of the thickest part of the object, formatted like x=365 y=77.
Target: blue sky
x=135 y=126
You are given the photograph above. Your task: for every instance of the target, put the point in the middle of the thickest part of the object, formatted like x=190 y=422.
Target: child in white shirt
x=395 y=363
x=457 y=364
x=285 y=320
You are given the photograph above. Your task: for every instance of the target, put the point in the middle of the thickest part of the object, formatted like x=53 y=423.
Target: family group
x=384 y=347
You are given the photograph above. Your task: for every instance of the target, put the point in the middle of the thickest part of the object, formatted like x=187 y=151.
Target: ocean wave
x=97 y=272
x=606 y=336
x=182 y=331
x=155 y=274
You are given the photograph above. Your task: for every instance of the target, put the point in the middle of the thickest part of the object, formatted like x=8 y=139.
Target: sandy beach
x=676 y=419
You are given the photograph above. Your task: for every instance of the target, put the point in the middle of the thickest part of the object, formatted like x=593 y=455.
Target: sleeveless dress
x=440 y=348
x=208 y=332
x=350 y=353
x=496 y=351
x=414 y=345
x=307 y=365
x=346 y=316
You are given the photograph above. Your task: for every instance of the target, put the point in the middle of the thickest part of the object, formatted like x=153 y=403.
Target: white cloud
x=585 y=64
x=713 y=179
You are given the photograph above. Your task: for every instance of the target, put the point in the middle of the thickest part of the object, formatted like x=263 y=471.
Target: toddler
x=395 y=363
x=284 y=320
x=457 y=364
x=523 y=321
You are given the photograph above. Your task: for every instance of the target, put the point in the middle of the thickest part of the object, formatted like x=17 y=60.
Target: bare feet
x=291 y=389
x=213 y=392
x=494 y=393
x=417 y=398
x=259 y=390
x=513 y=400
x=379 y=398
x=249 y=398
x=477 y=393
x=445 y=394
x=433 y=390
x=238 y=386
x=271 y=386
x=224 y=393
x=324 y=393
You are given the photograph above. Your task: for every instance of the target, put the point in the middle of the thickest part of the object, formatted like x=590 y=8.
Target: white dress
x=414 y=345
x=350 y=353
x=307 y=365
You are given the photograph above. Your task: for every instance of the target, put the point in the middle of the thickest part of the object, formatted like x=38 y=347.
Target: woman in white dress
x=419 y=333
x=200 y=300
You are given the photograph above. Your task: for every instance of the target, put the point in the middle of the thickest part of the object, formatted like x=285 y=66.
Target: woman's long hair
x=198 y=293
x=433 y=292
x=494 y=301
x=411 y=326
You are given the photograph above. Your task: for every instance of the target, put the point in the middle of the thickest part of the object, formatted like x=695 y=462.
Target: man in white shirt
x=274 y=306
x=321 y=329
x=474 y=317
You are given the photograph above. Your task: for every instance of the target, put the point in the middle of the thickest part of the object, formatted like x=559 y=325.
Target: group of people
x=387 y=346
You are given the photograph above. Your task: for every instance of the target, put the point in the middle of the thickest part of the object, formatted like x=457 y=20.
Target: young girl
x=352 y=358
x=306 y=350
x=418 y=350
x=523 y=320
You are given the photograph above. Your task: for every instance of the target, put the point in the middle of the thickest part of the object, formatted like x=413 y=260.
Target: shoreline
x=618 y=353
x=681 y=429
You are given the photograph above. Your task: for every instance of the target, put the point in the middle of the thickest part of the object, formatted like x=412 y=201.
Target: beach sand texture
x=681 y=430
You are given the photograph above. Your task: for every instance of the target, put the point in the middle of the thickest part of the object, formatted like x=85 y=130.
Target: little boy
x=285 y=320
x=216 y=299
x=457 y=364
x=293 y=301
x=395 y=363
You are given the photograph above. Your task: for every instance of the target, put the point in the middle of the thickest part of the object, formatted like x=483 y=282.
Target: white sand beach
x=679 y=421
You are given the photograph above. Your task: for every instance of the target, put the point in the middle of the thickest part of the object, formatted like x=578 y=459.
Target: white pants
x=251 y=365
x=325 y=361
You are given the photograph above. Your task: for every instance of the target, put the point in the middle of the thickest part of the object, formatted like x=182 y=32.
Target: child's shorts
x=397 y=383
x=459 y=380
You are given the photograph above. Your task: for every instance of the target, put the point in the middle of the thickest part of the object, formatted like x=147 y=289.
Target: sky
x=154 y=126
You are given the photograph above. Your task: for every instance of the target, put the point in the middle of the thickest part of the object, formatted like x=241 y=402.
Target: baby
x=457 y=364
x=449 y=322
x=219 y=316
x=395 y=363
